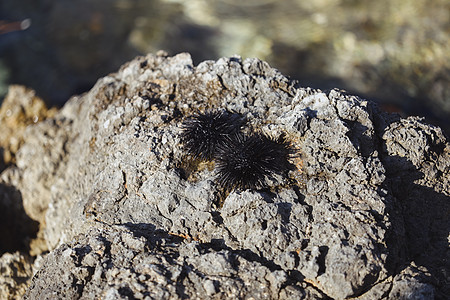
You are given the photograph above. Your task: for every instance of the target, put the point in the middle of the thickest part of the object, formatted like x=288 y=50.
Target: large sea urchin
x=204 y=133
x=245 y=161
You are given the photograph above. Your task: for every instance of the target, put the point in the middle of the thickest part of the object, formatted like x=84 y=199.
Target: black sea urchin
x=245 y=161
x=204 y=133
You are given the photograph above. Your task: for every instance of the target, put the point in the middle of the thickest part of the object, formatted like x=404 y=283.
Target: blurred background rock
x=394 y=51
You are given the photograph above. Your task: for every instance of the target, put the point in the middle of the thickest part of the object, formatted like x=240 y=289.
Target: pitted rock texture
x=119 y=262
x=131 y=215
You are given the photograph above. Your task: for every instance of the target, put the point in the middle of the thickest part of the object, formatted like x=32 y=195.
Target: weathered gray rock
x=119 y=261
x=129 y=215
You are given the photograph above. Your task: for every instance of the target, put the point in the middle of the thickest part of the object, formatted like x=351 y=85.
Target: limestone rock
x=16 y=271
x=129 y=215
x=20 y=108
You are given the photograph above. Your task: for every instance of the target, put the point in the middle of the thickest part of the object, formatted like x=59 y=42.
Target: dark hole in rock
x=323 y=250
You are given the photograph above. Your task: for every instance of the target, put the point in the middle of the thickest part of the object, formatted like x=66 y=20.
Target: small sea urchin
x=246 y=161
x=204 y=133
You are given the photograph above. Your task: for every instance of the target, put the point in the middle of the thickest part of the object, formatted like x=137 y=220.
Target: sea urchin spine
x=246 y=161
x=204 y=133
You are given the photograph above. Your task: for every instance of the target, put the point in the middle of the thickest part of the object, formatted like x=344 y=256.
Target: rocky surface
x=20 y=108
x=16 y=271
x=124 y=212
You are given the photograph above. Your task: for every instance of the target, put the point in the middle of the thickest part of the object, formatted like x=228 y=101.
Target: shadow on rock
x=16 y=228
x=2 y=162
x=425 y=213
x=155 y=237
